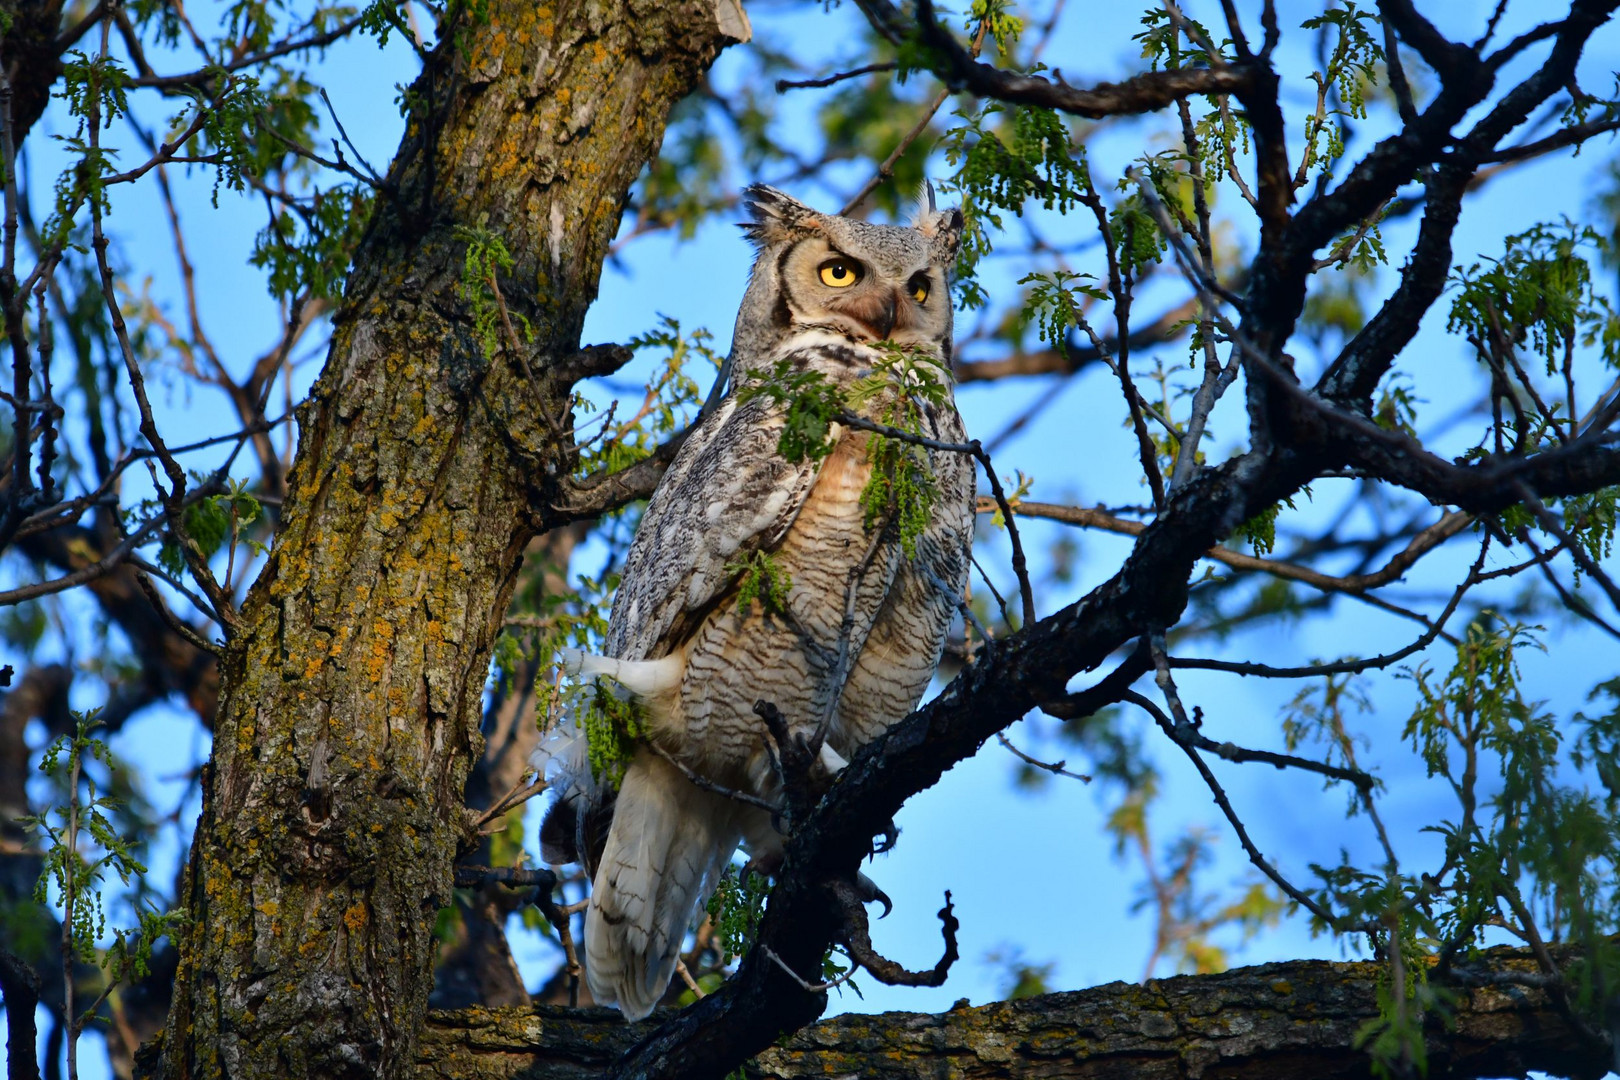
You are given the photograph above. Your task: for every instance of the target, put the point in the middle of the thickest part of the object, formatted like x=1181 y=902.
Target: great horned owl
x=825 y=291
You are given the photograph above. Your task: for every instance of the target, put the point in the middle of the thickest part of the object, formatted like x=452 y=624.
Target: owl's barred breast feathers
x=861 y=624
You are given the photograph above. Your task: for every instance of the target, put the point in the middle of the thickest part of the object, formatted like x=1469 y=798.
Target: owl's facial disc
x=868 y=302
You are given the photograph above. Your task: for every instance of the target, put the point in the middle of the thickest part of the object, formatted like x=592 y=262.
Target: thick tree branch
x=602 y=493
x=1364 y=360
x=31 y=54
x=20 y=987
x=1269 y=1022
x=1486 y=486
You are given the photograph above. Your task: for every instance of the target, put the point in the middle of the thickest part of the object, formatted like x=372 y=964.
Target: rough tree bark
x=350 y=691
x=1268 y=1022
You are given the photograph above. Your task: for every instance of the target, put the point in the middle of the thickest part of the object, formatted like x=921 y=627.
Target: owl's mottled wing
x=728 y=494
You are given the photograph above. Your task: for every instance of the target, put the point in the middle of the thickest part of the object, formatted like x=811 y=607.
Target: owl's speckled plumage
x=677 y=639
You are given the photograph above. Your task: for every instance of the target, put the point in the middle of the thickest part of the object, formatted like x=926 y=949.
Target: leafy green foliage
x=1164 y=41
x=81 y=845
x=1590 y=521
x=1054 y=302
x=1396 y=408
x=236 y=120
x=811 y=401
x=1138 y=243
x=999 y=21
x=381 y=18
x=1394 y=1039
x=1261 y=530
x=1598 y=745
x=760 y=577
x=1318 y=714
x=737 y=906
x=1351 y=66
x=479 y=288
x=212 y=523
x=1526 y=849
x=1003 y=156
x=309 y=250
x=1539 y=294
x=612 y=724
x=95 y=84
x=902 y=488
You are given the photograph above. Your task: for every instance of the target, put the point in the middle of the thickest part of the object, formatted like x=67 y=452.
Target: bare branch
x=783 y=85
x=204 y=78
x=1448 y=526
x=1139 y=94
x=1170 y=728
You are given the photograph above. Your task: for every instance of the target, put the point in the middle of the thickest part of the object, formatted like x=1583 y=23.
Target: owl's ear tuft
x=777 y=215
x=926 y=207
x=944 y=231
x=942 y=227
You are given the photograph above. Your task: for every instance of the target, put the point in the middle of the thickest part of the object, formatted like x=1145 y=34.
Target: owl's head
x=868 y=282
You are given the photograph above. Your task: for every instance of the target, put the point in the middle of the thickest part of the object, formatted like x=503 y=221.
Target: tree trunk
x=351 y=689
x=1275 y=1021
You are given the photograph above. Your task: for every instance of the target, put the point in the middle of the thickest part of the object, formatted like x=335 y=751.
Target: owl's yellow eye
x=919 y=287
x=840 y=273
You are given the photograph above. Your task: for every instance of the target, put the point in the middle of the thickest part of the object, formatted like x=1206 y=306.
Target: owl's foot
x=766 y=864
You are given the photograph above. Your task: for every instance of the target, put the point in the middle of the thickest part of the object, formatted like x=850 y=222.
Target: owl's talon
x=891 y=835
x=869 y=893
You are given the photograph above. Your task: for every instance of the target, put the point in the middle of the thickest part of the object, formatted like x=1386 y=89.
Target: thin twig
x=814 y=988
x=1056 y=768
x=1430 y=538
x=518 y=794
x=973 y=447
x=706 y=784
x=691 y=983
x=886 y=169
x=783 y=85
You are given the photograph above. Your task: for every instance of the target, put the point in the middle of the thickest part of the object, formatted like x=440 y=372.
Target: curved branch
x=858 y=939
x=1142 y=93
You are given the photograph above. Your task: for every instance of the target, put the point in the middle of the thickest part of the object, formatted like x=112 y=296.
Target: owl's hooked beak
x=875 y=312
x=883 y=325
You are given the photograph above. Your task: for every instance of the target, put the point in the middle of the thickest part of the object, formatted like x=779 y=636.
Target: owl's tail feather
x=667 y=847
